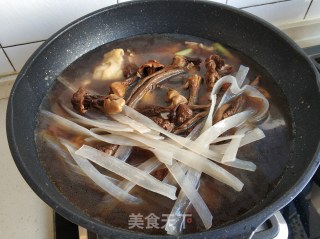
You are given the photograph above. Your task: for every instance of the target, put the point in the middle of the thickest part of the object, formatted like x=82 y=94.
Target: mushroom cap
x=175 y=98
x=194 y=80
x=113 y=104
x=118 y=88
x=77 y=100
x=184 y=113
x=149 y=68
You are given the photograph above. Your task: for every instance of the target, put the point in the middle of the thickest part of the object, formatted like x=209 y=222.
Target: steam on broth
x=165 y=126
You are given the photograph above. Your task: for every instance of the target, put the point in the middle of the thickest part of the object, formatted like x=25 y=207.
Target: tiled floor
x=22 y=213
x=21 y=53
x=4 y=63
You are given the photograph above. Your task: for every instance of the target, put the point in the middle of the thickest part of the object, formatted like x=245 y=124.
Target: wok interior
x=288 y=68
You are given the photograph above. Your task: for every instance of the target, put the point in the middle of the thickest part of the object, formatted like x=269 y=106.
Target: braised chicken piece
x=111 y=66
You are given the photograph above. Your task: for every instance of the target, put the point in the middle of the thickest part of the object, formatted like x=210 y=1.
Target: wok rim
x=90 y=223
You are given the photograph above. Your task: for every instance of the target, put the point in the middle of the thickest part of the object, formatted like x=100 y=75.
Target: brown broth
x=225 y=203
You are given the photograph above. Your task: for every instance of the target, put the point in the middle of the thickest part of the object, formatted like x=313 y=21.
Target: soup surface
x=269 y=154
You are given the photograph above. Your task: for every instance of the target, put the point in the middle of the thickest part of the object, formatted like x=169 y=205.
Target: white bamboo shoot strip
x=154 y=136
x=235 y=90
x=188 y=188
x=242 y=164
x=100 y=179
x=223 y=138
x=72 y=87
x=173 y=225
x=176 y=218
x=232 y=149
x=236 y=84
x=148 y=166
x=208 y=122
x=191 y=159
x=123 y=152
x=133 y=114
x=241 y=74
x=65 y=155
x=163 y=156
x=114 y=139
x=222 y=126
x=250 y=137
x=55 y=145
x=123 y=119
x=197 y=148
x=127 y=171
x=66 y=123
x=67 y=84
x=201 y=145
x=230 y=153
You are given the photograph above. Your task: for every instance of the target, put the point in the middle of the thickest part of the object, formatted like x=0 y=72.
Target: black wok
x=283 y=59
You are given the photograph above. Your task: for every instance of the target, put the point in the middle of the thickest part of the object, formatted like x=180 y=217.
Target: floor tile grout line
x=270 y=3
x=305 y=15
x=22 y=44
x=4 y=52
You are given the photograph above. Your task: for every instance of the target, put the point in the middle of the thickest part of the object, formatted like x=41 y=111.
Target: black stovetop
x=314 y=54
